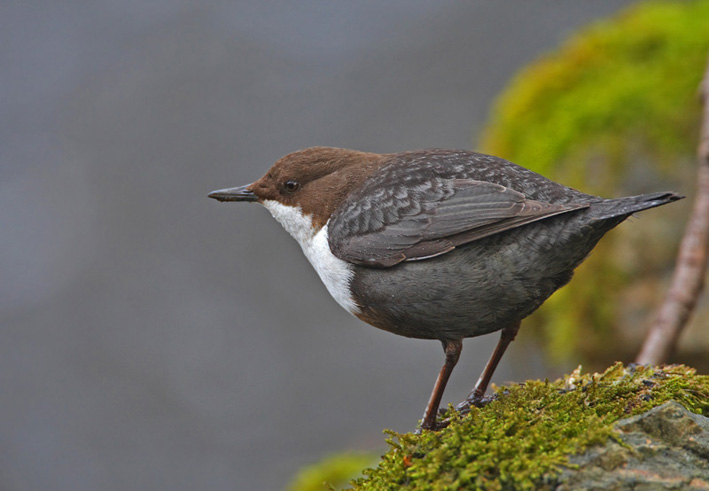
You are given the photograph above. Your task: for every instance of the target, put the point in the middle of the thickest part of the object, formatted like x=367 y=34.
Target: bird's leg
x=476 y=396
x=452 y=349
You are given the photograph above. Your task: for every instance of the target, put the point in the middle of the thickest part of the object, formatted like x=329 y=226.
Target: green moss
x=631 y=77
x=526 y=436
x=616 y=101
x=336 y=470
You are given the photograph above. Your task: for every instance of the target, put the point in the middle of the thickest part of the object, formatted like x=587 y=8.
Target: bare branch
x=688 y=279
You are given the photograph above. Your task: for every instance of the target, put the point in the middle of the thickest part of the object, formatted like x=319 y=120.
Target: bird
x=435 y=243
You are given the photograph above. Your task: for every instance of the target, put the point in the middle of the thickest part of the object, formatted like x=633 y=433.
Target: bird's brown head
x=316 y=180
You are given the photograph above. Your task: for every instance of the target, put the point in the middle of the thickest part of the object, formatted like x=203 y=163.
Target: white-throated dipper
x=436 y=244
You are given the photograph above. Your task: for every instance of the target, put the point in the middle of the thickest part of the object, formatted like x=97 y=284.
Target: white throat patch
x=335 y=273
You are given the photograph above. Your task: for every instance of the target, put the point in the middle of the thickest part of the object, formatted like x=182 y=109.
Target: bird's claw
x=474 y=400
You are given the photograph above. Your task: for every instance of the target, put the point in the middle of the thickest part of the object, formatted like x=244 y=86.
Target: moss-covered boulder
x=664 y=448
x=534 y=435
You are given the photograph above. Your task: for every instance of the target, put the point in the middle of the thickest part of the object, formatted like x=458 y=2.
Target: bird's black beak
x=242 y=193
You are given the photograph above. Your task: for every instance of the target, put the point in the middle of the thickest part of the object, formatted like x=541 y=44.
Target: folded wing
x=425 y=216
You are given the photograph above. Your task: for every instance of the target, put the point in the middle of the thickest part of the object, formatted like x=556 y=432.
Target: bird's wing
x=420 y=216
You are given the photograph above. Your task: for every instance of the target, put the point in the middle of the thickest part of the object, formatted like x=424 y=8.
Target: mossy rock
x=664 y=448
x=613 y=111
x=335 y=470
x=532 y=435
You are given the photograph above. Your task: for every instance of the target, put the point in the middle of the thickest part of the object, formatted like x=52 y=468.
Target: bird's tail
x=624 y=207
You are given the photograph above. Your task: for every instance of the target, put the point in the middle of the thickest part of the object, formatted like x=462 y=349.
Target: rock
x=568 y=434
x=664 y=448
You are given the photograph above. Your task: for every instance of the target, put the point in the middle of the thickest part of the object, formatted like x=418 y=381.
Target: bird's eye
x=291 y=186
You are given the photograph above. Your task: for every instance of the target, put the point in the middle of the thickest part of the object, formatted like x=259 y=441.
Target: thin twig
x=688 y=279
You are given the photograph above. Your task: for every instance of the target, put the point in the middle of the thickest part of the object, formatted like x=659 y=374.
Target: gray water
x=152 y=338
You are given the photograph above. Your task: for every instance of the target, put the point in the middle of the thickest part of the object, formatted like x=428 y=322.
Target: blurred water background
x=154 y=339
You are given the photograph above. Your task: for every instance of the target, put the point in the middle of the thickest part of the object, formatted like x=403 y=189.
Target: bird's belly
x=475 y=289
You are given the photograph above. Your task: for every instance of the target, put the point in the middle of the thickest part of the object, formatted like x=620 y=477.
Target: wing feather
x=426 y=216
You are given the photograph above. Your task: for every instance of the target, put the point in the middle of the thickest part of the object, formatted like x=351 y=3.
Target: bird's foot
x=436 y=426
x=463 y=408
x=474 y=400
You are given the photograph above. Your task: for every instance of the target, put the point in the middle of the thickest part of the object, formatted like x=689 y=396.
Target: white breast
x=335 y=273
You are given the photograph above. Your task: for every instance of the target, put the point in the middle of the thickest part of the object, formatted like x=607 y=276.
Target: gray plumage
x=472 y=243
